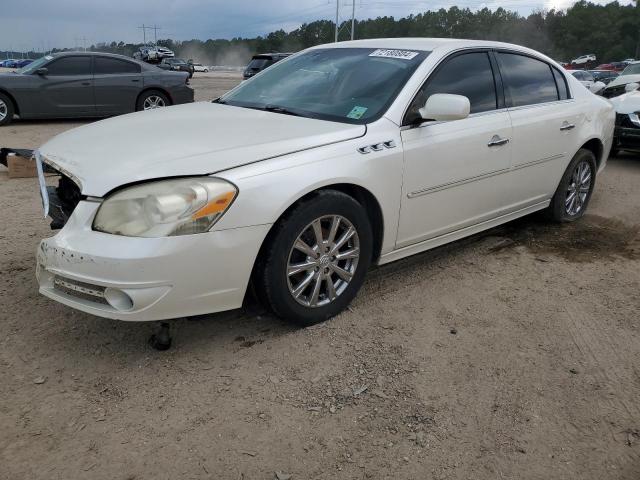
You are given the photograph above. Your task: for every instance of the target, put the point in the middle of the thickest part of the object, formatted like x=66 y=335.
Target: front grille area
x=80 y=290
x=63 y=200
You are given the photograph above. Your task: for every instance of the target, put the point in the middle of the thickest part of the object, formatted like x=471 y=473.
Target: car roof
x=145 y=66
x=427 y=44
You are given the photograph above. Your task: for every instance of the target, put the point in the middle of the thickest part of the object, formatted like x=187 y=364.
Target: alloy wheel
x=323 y=260
x=579 y=187
x=4 y=110
x=153 y=101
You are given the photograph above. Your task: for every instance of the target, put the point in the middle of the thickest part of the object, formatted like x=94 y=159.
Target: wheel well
x=157 y=89
x=595 y=146
x=13 y=100
x=360 y=194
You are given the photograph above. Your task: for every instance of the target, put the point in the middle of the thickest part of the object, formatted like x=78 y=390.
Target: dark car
x=262 y=61
x=604 y=76
x=177 y=64
x=626 y=135
x=88 y=84
x=22 y=63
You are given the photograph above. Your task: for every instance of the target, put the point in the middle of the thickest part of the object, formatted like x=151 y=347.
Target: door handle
x=86 y=83
x=496 y=141
x=135 y=80
x=567 y=126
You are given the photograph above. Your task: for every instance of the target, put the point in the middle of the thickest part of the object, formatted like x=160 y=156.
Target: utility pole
x=144 y=34
x=155 y=33
x=337 y=18
x=353 y=19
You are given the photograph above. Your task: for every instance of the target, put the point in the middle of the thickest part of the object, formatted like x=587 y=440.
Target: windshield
x=33 y=66
x=351 y=85
x=258 y=63
x=631 y=69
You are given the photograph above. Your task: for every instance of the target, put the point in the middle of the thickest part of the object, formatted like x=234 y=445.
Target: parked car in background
x=178 y=65
x=619 y=66
x=584 y=59
x=346 y=155
x=586 y=78
x=88 y=84
x=617 y=86
x=627 y=131
x=153 y=54
x=22 y=63
x=262 y=61
x=198 y=67
x=605 y=66
x=604 y=76
x=5 y=63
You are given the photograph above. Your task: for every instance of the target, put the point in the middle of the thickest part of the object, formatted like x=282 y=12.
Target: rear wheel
x=317 y=259
x=6 y=110
x=152 y=99
x=574 y=192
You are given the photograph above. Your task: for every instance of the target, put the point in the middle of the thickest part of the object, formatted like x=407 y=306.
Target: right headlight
x=166 y=208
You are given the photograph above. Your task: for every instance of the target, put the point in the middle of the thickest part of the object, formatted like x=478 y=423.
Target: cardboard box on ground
x=21 y=167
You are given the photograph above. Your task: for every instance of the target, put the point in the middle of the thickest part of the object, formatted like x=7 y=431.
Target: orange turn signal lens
x=217 y=205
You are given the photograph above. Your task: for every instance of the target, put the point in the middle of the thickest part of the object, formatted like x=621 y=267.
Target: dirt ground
x=514 y=354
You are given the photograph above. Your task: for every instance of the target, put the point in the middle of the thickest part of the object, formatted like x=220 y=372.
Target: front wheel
x=574 y=191
x=317 y=258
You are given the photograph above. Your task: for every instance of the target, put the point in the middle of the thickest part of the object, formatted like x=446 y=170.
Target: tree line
x=610 y=31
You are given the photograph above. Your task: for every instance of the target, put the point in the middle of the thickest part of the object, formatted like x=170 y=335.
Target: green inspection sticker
x=357 y=112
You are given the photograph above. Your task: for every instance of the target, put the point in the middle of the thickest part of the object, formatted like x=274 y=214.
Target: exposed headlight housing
x=166 y=208
x=633 y=118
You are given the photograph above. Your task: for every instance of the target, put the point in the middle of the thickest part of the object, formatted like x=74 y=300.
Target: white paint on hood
x=192 y=139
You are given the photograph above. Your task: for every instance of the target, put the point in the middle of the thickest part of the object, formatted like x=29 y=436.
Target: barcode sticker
x=403 y=54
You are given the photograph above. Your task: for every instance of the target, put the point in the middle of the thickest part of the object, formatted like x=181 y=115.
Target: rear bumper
x=144 y=279
x=180 y=95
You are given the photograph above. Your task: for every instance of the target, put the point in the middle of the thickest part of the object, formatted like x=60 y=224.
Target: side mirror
x=445 y=107
x=630 y=87
x=42 y=71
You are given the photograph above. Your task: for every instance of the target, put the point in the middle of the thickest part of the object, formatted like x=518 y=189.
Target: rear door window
x=114 y=66
x=527 y=81
x=80 y=65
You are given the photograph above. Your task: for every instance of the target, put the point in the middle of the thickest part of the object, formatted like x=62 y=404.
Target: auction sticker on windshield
x=403 y=54
x=357 y=112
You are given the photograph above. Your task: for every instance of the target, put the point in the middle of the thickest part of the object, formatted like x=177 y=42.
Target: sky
x=43 y=24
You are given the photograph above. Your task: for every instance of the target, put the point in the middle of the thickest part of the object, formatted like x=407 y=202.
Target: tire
x=7 y=110
x=206 y=70
x=151 y=96
x=277 y=288
x=574 y=181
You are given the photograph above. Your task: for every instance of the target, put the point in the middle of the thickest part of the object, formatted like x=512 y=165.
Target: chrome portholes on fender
x=377 y=147
x=323 y=260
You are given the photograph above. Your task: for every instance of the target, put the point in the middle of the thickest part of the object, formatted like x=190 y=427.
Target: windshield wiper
x=278 y=109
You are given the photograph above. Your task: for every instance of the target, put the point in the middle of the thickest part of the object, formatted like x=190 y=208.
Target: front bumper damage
x=146 y=279
x=134 y=278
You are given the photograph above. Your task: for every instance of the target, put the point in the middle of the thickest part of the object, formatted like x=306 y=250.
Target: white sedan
x=198 y=67
x=587 y=79
x=298 y=180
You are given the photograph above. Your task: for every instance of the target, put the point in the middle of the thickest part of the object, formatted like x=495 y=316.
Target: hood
x=192 y=139
x=627 y=102
x=624 y=79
